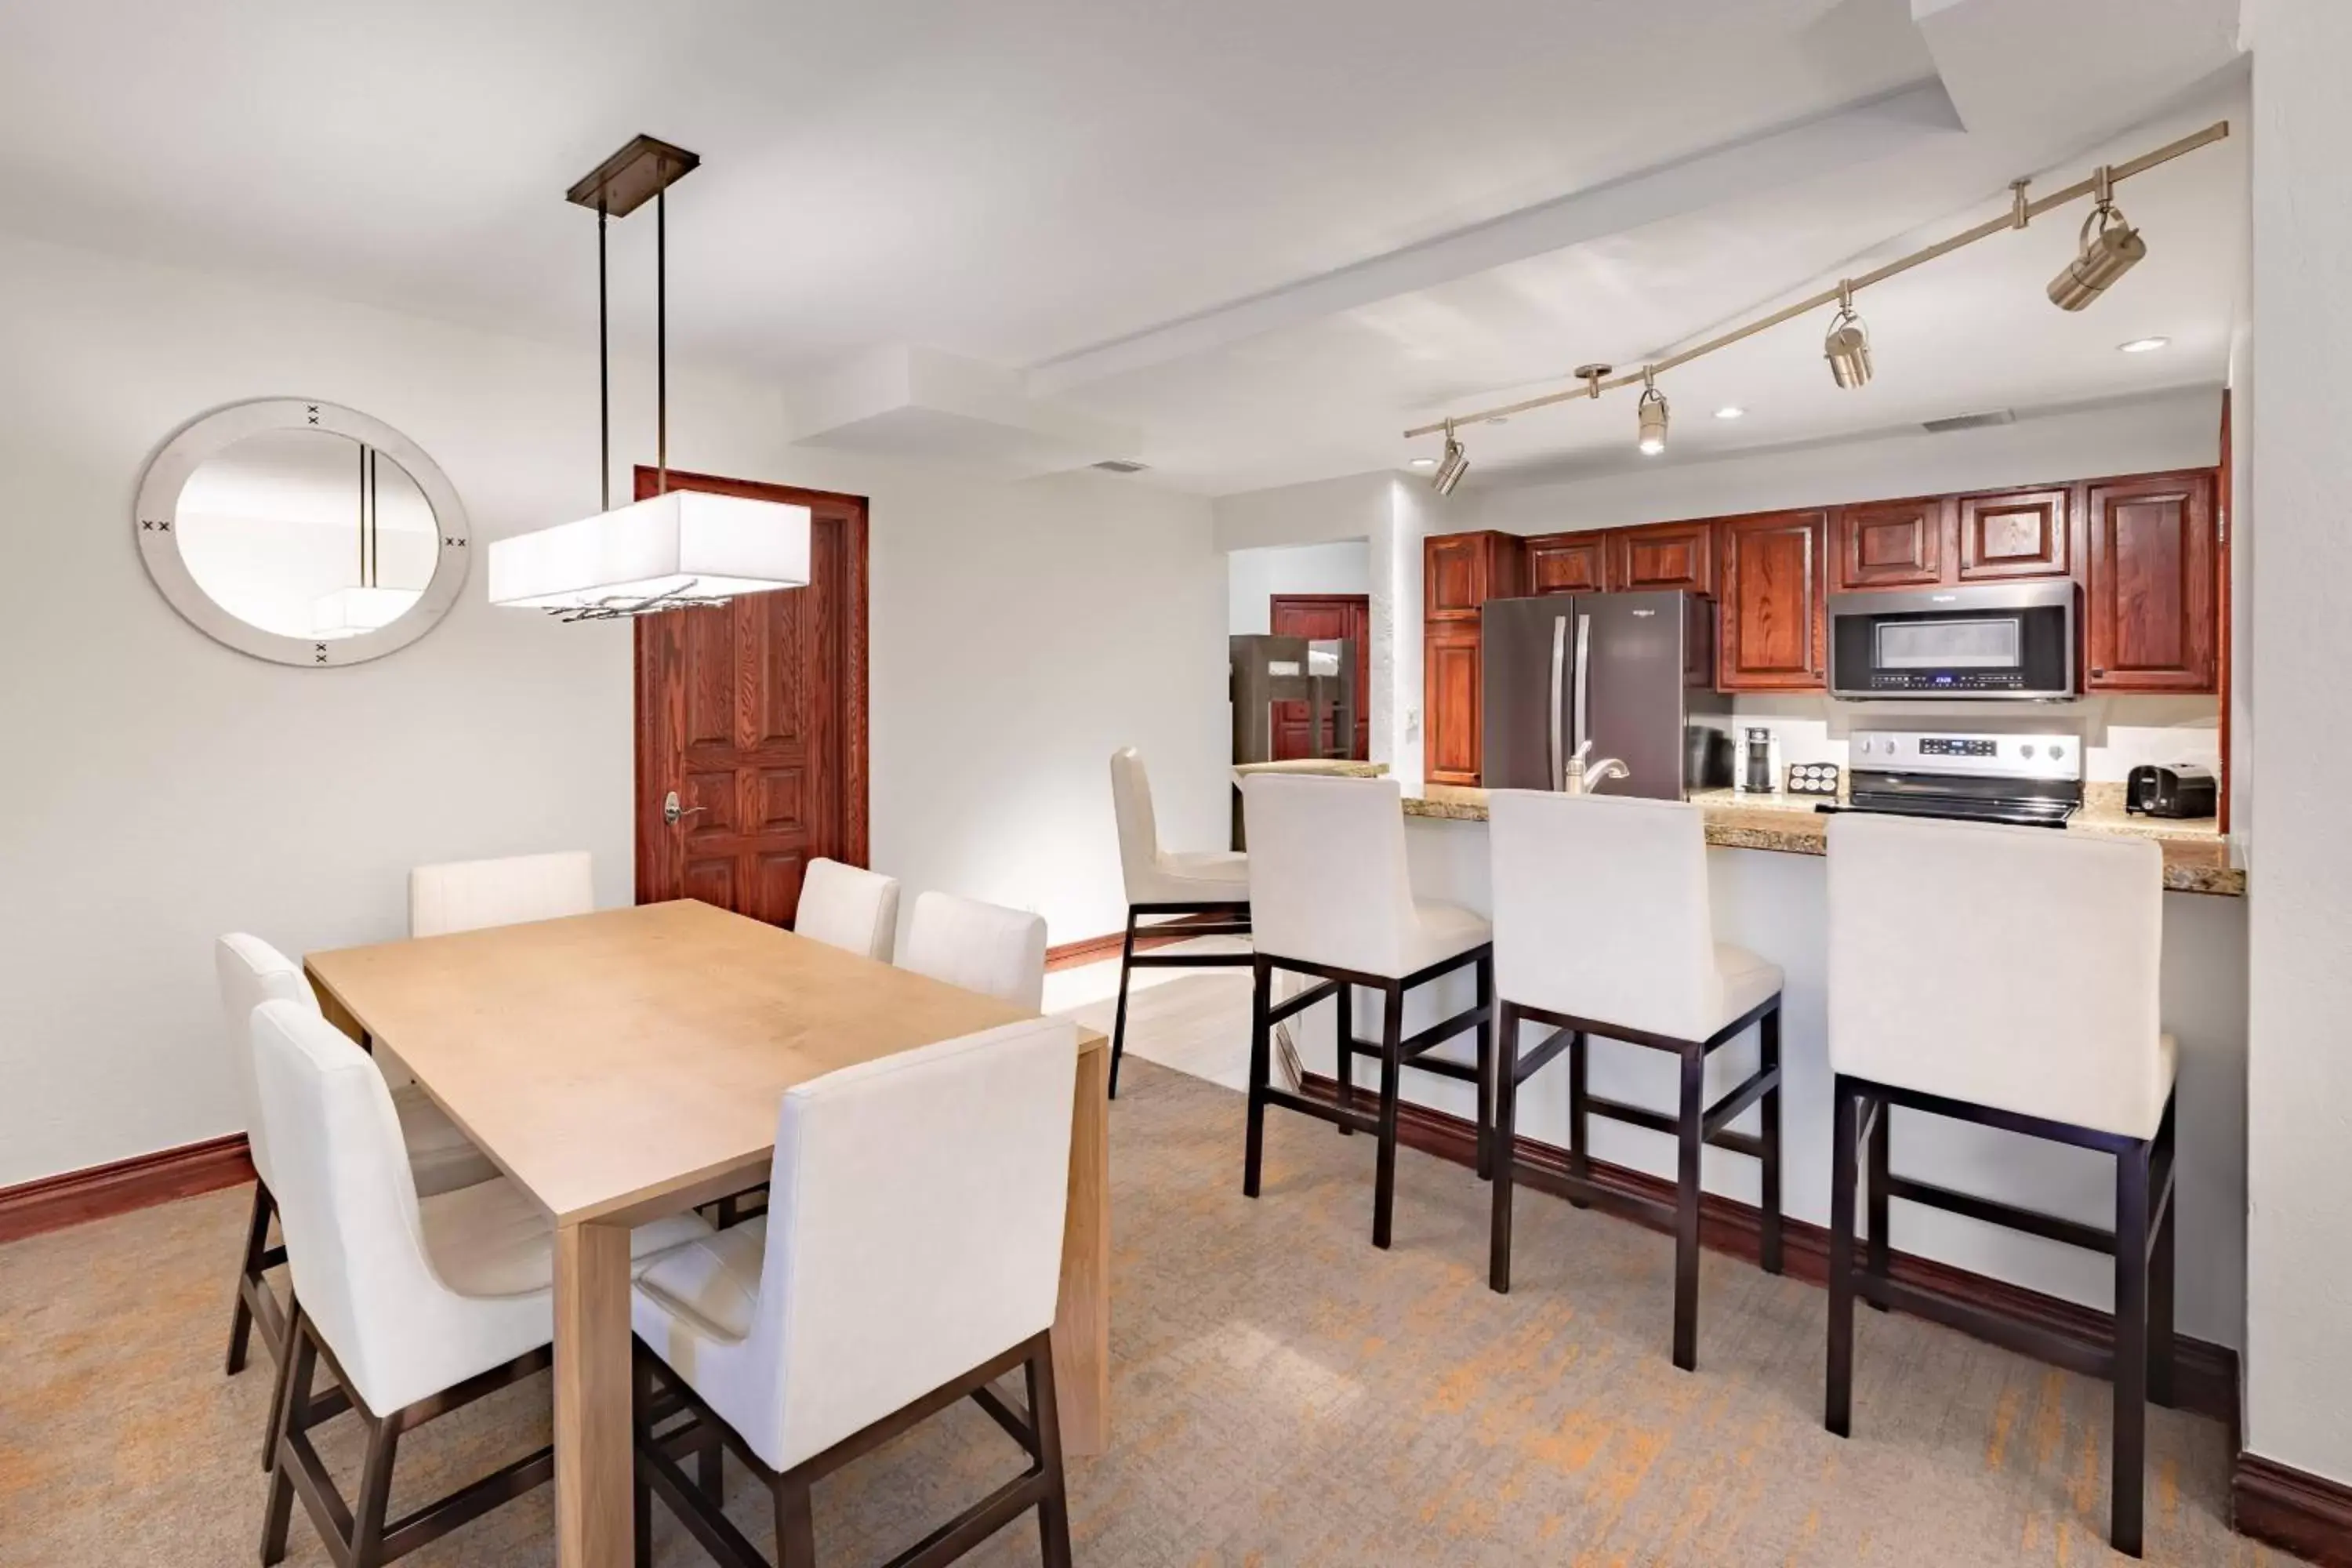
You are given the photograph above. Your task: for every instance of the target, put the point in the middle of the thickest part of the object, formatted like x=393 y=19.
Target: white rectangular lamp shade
x=689 y=544
x=348 y=612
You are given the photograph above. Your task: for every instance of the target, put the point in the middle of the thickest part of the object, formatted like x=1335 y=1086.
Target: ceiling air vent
x=1967 y=422
x=1120 y=466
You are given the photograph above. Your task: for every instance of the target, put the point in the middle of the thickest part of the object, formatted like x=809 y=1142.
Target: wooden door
x=1451 y=695
x=1569 y=563
x=754 y=712
x=1891 y=543
x=1324 y=615
x=2151 y=584
x=1773 y=627
x=2015 y=534
x=1662 y=555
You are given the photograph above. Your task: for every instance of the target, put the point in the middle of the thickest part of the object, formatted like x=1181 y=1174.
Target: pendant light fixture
x=1847 y=347
x=1451 y=465
x=2109 y=248
x=1654 y=414
x=677 y=548
x=367 y=606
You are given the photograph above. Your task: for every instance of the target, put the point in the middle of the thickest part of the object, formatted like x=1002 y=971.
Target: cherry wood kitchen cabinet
x=1662 y=555
x=2151 y=584
x=1892 y=544
x=1772 y=621
x=2013 y=533
x=1459 y=571
x=1569 y=563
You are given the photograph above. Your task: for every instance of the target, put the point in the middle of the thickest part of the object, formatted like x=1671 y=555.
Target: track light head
x=1451 y=465
x=2110 y=247
x=1654 y=415
x=1847 y=346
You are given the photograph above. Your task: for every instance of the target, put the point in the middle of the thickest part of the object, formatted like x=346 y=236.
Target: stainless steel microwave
x=1996 y=641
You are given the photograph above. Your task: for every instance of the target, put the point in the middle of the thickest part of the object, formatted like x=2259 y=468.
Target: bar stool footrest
x=1992 y=1211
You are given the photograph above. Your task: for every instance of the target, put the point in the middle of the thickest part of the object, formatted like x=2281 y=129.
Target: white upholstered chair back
x=1139 y=832
x=1327 y=877
x=849 y=908
x=348 y=1206
x=914 y=1230
x=982 y=947
x=1601 y=910
x=251 y=972
x=468 y=895
x=2010 y=967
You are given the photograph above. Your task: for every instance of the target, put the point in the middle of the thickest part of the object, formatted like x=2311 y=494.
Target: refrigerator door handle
x=1558 y=676
x=1581 y=734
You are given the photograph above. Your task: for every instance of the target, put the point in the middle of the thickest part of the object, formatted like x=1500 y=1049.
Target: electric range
x=2035 y=779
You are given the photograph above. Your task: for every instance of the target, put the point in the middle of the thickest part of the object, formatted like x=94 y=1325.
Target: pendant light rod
x=2109 y=176
x=661 y=342
x=603 y=367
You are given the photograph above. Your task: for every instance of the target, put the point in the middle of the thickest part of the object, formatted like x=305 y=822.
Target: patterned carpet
x=1285 y=1396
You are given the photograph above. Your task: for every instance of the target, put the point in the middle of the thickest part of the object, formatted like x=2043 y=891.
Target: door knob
x=671 y=811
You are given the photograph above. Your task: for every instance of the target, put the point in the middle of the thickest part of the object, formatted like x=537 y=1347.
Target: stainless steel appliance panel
x=1630 y=655
x=1525 y=657
x=2001 y=640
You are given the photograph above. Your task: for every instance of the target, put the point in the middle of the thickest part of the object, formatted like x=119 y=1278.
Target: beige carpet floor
x=1285 y=1396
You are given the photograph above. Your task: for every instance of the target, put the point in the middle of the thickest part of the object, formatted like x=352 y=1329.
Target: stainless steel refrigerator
x=1631 y=673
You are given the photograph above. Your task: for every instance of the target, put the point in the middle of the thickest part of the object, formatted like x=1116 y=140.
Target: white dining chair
x=468 y=895
x=417 y=1305
x=910 y=1257
x=849 y=908
x=980 y=947
x=441 y=1158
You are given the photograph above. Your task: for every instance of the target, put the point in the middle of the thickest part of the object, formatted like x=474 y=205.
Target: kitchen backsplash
x=2118 y=733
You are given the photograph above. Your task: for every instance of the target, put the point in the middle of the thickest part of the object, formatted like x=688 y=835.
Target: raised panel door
x=1450 y=693
x=1568 y=562
x=2150 y=585
x=1454 y=573
x=1662 y=555
x=1891 y=545
x=1773 y=629
x=2016 y=533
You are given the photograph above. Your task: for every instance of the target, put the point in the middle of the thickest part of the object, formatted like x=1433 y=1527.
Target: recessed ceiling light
x=2144 y=345
x=1423 y=463
x=1731 y=411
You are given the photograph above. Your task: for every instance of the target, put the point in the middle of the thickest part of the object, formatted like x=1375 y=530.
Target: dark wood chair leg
x=1486 y=1161
x=1506 y=1072
x=250 y=1273
x=374 y=1498
x=1880 y=1255
x=641 y=1405
x=1261 y=1053
x=2160 y=1269
x=1045 y=1420
x=1768 y=1059
x=2131 y=1350
x=1579 y=1119
x=710 y=1468
x=275 y=1420
x=1838 y=1404
x=1345 y=1065
x=1687 y=1197
x=795 y=1525
x=728 y=1216
x=278 y=1518
x=1119 y=1018
x=1391 y=1069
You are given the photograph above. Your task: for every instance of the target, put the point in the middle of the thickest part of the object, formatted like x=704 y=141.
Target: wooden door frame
x=856 y=828
x=1363 y=654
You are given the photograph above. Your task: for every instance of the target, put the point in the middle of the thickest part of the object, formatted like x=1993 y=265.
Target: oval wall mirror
x=302 y=532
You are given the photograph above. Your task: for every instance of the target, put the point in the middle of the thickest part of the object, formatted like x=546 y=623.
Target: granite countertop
x=2198 y=857
x=1325 y=767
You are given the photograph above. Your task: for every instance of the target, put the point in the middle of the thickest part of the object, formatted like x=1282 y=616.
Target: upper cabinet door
x=1892 y=543
x=1662 y=555
x=1461 y=572
x=1451 y=741
x=1774 y=623
x=2017 y=534
x=2150 y=587
x=1568 y=563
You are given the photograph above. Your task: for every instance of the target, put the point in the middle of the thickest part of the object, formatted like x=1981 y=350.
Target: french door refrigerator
x=1631 y=673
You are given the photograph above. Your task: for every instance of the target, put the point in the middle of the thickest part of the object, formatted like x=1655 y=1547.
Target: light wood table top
x=611 y=1062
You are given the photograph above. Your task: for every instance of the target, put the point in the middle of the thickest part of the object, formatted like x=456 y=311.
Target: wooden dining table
x=627 y=1065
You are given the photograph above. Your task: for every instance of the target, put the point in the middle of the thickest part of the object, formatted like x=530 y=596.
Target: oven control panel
x=2044 y=754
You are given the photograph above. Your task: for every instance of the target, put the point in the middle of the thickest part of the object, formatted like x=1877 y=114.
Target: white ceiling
x=1024 y=181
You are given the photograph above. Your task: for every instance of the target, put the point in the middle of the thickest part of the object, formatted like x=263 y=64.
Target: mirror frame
x=159 y=541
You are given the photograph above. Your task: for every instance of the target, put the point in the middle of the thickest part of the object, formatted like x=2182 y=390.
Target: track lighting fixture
x=1847 y=346
x=2110 y=247
x=1452 y=466
x=1654 y=414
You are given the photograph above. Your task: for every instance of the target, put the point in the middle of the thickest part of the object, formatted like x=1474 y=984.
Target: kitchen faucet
x=1585 y=778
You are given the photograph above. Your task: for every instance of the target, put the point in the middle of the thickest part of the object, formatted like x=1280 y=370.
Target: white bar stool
x=1603 y=925
x=1160 y=882
x=1330 y=897
x=2022 y=995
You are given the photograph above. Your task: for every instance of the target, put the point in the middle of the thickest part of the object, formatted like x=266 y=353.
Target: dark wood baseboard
x=2293 y=1509
x=2205 y=1376
x=1095 y=949
x=76 y=1197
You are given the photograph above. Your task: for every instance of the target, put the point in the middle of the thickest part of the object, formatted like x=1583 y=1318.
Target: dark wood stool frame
x=257 y=1309
x=1395 y=1050
x=360 y=1537
x=1233 y=921
x=2140 y=1363
x=662 y=1395
x=1695 y=1125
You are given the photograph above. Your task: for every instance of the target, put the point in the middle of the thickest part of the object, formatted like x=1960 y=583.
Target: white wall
x=1253 y=576
x=2299 y=1090
x=161 y=789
